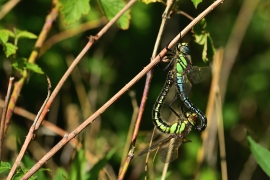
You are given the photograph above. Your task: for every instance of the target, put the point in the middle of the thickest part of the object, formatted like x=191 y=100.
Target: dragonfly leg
x=170 y=105
x=183 y=112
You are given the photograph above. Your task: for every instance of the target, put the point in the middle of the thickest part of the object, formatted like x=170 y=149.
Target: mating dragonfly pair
x=180 y=74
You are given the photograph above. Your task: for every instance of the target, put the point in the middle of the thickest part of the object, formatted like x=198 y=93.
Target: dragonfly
x=184 y=73
x=169 y=146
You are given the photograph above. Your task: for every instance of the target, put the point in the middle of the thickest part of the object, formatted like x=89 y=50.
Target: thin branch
x=131 y=126
x=70 y=33
x=30 y=136
x=164 y=171
x=48 y=125
x=18 y=85
x=3 y=118
x=235 y=40
x=185 y=14
x=7 y=7
x=221 y=138
x=209 y=134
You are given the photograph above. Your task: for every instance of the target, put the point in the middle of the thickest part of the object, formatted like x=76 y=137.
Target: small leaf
x=210 y=51
x=93 y=173
x=151 y=1
x=22 y=64
x=261 y=155
x=73 y=10
x=19 y=65
x=9 y=49
x=112 y=7
x=24 y=34
x=200 y=27
x=34 y=67
x=4 y=34
x=77 y=170
x=196 y=2
x=28 y=162
x=60 y=174
x=202 y=37
x=4 y=167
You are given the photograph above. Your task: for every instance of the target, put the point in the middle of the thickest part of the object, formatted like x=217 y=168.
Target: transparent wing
x=156 y=145
x=170 y=153
x=187 y=84
x=199 y=74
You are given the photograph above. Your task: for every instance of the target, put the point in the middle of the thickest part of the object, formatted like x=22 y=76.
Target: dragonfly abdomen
x=188 y=103
x=156 y=116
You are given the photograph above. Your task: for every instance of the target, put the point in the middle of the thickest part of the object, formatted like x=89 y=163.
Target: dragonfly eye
x=183 y=48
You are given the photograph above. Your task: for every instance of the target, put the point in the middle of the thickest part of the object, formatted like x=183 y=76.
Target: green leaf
x=196 y=2
x=111 y=8
x=28 y=162
x=93 y=173
x=200 y=27
x=9 y=49
x=4 y=167
x=22 y=64
x=19 y=65
x=24 y=34
x=60 y=174
x=210 y=49
x=77 y=170
x=151 y=1
x=73 y=10
x=202 y=37
x=261 y=155
x=4 y=34
x=33 y=67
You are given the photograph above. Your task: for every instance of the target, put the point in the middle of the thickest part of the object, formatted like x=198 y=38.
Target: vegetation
x=88 y=135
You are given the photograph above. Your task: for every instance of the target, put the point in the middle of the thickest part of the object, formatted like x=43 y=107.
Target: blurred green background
x=120 y=55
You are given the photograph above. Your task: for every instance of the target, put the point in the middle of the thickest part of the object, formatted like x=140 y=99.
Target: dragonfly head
x=183 y=48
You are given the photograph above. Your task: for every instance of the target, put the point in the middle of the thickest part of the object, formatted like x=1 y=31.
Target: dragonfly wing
x=187 y=84
x=155 y=146
x=170 y=153
x=199 y=74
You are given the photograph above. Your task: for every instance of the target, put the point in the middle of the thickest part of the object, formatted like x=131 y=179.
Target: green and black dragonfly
x=178 y=130
x=185 y=72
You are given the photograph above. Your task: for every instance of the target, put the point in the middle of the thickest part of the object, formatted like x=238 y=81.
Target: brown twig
x=70 y=33
x=3 y=118
x=212 y=126
x=221 y=137
x=18 y=85
x=185 y=14
x=132 y=124
x=235 y=40
x=7 y=7
x=30 y=136
x=48 y=125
